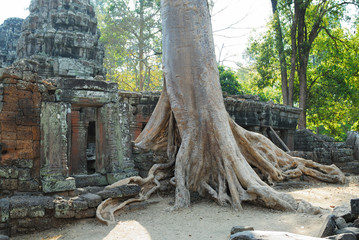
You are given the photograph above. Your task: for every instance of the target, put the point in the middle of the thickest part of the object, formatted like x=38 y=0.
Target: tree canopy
x=320 y=61
x=131 y=33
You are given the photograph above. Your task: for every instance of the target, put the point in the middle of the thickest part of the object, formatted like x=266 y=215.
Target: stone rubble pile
x=343 y=224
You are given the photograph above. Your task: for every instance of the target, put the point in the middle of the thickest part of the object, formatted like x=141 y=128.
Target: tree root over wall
x=221 y=171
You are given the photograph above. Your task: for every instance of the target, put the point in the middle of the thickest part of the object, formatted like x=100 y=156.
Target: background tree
x=208 y=152
x=333 y=67
x=302 y=22
x=287 y=91
x=131 y=32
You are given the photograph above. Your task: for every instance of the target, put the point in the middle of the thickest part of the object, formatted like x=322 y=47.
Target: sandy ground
x=206 y=220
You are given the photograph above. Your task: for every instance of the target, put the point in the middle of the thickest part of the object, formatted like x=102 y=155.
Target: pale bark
x=211 y=153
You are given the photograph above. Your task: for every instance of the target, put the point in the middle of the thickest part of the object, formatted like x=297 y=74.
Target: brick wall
x=20 y=99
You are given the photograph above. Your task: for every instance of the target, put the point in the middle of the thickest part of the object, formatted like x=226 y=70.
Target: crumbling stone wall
x=324 y=149
x=10 y=32
x=60 y=39
x=21 y=93
x=353 y=141
x=24 y=213
x=80 y=107
x=44 y=127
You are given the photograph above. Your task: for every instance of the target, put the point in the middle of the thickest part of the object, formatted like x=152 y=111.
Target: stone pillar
x=109 y=151
x=108 y=139
x=78 y=163
x=54 y=148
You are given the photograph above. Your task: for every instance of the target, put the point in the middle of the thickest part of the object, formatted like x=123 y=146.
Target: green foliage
x=131 y=33
x=334 y=92
x=248 y=78
x=262 y=51
x=333 y=67
x=229 y=81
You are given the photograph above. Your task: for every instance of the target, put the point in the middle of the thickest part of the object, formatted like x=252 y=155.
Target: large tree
x=316 y=45
x=308 y=19
x=210 y=153
x=131 y=33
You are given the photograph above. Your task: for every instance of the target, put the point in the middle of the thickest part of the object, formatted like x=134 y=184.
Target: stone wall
x=57 y=136
x=60 y=39
x=21 y=93
x=81 y=136
x=323 y=149
x=26 y=213
x=10 y=32
x=353 y=141
x=247 y=111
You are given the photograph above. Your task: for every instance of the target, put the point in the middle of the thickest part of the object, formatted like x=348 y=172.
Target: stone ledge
x=90 y=180
x=58 y=185
x=90 y=85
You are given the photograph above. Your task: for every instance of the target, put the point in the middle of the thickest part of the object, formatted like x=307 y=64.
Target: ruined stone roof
x=10 y=32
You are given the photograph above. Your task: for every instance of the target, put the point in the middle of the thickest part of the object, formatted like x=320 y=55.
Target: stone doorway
x=83 y=140
x=81 y=136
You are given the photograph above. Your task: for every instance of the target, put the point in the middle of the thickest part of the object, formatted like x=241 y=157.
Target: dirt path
x=206 y=220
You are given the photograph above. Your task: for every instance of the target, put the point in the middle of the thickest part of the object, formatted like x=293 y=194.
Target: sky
x=233 y=22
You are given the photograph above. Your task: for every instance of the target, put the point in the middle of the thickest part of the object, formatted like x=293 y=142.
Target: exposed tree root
x=106 y=210
x=230 y=180
x=212 y=154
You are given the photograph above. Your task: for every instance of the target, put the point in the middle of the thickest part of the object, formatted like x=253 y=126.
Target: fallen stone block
x=111 y=193
x=352 y=230
x=343 y=236
x=341 y=223
x=93 y=200
x=87 y=213
x=344 y=211
x=328 y=228
x=237 y=229
x=79 y=204
x=36 y=211
x=356 y=223
x=354 y=205
x=269 y=235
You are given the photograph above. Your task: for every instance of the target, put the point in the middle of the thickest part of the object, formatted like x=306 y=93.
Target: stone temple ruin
x=10 y=32
x=60 y=39
x=66 y=133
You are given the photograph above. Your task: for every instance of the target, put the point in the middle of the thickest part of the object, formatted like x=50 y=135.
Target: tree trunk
x=141 y=47
x=293 y=56
x=211 y=154
x=302 y=74
x=281 y=55
x=305 y=42
x=303 y=54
